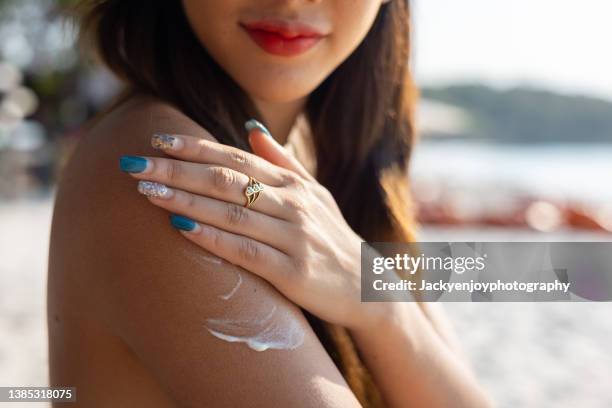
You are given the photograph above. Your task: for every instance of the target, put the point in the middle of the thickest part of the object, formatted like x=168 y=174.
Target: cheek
x=353 y=19
x=210 y=21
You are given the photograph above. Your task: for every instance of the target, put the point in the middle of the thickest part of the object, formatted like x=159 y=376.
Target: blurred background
x=515 y=145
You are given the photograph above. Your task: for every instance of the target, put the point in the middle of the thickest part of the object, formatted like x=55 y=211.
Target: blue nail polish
x=182 y=223
x=254 y=124
x=132 y=164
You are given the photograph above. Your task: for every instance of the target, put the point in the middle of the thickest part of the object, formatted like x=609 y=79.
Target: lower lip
x=278 y=45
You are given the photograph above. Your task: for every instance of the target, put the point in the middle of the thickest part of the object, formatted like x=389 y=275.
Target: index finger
x=200 y=150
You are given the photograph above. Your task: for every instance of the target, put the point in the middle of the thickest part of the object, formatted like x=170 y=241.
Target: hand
x=294 y=235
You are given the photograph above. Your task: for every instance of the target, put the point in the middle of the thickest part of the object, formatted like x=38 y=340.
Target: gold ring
x=252 y=191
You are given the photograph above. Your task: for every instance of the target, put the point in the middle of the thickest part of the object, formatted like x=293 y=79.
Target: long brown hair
x=362 y=134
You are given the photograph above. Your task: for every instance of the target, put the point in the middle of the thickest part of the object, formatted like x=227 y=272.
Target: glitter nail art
x=163 y=141
x=153 y=189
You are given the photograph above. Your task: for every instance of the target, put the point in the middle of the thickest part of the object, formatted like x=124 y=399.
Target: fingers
x=264 y=145
x=227 y=216
x=199 y=150
x=213 y=181
x=254 y=256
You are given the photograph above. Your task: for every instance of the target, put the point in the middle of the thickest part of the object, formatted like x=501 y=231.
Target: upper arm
x=156 y=290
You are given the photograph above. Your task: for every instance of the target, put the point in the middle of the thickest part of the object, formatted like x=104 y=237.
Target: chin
x=277 y=97
x=279 y=91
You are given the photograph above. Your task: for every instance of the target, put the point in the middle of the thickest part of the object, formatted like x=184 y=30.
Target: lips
x=282 y=38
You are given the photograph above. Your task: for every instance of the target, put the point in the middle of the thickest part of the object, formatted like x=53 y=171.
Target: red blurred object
x=538 y=213
x=578 y=217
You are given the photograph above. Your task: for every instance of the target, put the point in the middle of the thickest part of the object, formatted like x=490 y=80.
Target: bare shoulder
x=196 y=321
x=98 y=204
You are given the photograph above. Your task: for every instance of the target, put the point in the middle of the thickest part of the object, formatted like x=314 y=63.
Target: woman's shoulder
x=90 y=181
x=96 y=205
x=130 y=123
x=99 y=218
x=124 y=129
x=182 y=310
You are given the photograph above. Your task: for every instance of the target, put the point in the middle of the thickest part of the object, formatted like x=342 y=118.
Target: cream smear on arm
x=259 y=329
x=275 y=330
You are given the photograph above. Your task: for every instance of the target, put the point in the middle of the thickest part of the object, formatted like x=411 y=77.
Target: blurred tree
x=527 y=115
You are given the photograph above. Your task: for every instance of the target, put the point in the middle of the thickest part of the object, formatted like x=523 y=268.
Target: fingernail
x=183 y=223
x=153 y=189
x=165 y=141
x=255 y=124
x=133 y=164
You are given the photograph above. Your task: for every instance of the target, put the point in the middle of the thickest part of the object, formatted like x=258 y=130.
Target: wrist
x=377 y=317
x=394 y=329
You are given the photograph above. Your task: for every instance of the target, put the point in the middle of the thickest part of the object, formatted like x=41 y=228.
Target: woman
x=258 y=304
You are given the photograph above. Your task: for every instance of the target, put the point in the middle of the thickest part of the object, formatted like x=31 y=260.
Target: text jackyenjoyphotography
x=486 y=271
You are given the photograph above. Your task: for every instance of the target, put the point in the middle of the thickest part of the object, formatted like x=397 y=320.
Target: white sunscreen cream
x=274 y=331
x=229 y=294
x=202 y=259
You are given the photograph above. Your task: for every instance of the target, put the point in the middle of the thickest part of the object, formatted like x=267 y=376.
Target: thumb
x=265 y=146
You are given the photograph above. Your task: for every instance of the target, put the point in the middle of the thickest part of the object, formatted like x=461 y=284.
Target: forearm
x=413 y=366
x=441 y=324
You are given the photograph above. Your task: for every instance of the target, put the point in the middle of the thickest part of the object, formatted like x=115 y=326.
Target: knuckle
x=324 y=192
x=240 y=158
x=295 y=205
x=301 y=269
x=216 y=238
x=188 y=200
x=304 y=229
x=202 y=150
x=289 y=178
x=299 y=185
x=328 y=197
x=173 y=170
x=222 y=178
x=248 y=250
x=235 y=214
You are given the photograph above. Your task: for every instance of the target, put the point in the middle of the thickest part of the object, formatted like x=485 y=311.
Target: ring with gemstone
x=252 y=191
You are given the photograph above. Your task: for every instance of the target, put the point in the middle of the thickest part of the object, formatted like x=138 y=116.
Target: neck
x=280 y=117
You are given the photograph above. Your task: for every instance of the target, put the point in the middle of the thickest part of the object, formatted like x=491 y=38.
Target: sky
x=562 y=45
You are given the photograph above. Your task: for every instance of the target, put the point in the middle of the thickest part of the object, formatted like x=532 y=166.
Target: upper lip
x=285 y=28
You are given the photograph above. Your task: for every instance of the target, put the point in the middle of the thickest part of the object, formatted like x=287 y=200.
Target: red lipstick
x=284 y=38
